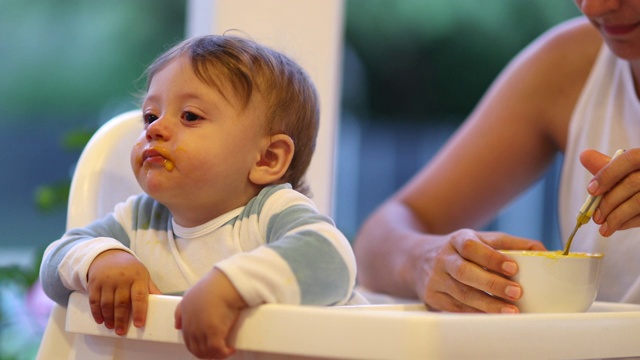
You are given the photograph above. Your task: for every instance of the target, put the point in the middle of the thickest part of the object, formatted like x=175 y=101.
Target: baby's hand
x=119 y=286
x=206 y=314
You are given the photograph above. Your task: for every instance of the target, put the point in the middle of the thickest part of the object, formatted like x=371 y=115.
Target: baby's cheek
x=136 y=153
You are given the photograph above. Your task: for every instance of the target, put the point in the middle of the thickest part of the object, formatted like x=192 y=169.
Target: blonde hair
x=291 y=99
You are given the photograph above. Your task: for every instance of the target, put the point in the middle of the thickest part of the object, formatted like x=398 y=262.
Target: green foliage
x=20 y=330
x=76 y=139
x=71 y=58
x=53 y=196
x=21 y=276
x=435 y=58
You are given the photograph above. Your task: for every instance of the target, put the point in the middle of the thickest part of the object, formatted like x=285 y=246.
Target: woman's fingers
x=618 y=181
x=469 y=275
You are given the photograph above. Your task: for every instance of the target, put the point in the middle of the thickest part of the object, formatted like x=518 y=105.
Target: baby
x=230 y=129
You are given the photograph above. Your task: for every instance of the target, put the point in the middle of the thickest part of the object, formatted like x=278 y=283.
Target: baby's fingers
x=122 y=310
x=139 y=303
x=153 y=288
x=95 y=304
x=177 y=315
x=208 y=347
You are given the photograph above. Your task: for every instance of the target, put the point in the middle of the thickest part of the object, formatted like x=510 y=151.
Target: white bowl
x=555 y=283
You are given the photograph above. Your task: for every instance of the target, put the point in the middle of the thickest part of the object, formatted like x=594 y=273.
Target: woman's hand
x=618 y=180
x=467 y=273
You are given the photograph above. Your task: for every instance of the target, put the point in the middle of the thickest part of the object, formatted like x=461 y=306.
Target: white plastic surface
x=372 y=332
x=103 y=175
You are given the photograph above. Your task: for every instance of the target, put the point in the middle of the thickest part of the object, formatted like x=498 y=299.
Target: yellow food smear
x=558 y=254
x=169 y=165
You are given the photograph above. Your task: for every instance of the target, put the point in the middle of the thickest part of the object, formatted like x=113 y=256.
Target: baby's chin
x=155 y=184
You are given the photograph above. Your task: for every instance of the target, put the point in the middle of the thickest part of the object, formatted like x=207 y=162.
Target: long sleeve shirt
x=276 y=249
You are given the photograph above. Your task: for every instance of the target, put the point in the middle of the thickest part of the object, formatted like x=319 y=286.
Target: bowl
x=556 y=283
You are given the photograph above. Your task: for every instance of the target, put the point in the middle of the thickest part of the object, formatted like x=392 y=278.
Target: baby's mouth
x=157 y=156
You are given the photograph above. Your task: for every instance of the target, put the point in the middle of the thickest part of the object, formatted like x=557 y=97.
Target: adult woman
x=576 y=87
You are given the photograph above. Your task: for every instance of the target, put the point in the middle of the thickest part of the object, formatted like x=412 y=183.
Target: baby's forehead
x=238 y=97
x=234 y=81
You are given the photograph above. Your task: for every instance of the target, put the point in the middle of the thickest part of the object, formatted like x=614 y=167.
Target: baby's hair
x=291 y=99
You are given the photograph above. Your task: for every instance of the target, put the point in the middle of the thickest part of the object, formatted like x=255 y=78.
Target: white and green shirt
x=276 y=249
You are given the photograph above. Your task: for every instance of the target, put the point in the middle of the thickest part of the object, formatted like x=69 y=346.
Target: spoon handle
x=586 y=211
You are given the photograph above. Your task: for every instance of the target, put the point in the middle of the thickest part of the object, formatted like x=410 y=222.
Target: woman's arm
x=412 y=244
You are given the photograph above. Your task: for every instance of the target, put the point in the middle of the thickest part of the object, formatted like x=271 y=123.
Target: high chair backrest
x=103 y=175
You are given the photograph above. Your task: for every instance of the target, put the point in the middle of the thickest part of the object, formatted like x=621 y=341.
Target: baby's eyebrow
x=149 y=99
x=191 y=96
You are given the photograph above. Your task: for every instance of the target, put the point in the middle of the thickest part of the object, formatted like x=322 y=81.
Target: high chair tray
x=399 y=331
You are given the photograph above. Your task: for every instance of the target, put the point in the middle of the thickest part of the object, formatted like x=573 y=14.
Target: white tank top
x=606 y=118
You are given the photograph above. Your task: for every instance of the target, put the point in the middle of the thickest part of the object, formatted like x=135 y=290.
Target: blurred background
x=413 y=70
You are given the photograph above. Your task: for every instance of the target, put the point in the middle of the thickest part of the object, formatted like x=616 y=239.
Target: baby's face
x=197 y=149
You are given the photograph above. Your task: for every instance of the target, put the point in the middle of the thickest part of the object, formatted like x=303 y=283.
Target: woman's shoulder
x=569 y=44
x=575 y=33
x=549 y=74
x=562 y=59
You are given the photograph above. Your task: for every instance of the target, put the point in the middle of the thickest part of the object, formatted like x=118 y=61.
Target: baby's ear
x=274 y=160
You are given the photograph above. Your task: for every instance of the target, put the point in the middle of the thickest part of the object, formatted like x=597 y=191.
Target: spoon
x=586 y=212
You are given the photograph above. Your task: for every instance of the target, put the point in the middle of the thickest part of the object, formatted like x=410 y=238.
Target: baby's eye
x=189 y=116
x=149 y=118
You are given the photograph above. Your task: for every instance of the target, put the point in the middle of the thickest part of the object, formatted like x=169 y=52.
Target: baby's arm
x=119 y=286
x=306 y=259
x=206 y=315
x=67 y=262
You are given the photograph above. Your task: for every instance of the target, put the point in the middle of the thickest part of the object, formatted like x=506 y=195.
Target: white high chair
x=103 y=178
